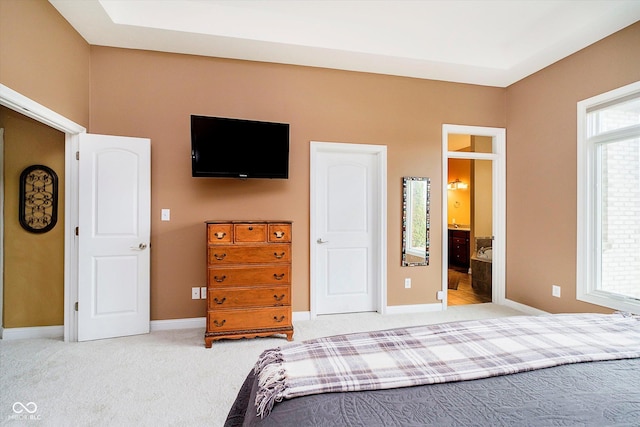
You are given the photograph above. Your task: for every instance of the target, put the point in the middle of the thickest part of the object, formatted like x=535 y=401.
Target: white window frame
x=587 y=227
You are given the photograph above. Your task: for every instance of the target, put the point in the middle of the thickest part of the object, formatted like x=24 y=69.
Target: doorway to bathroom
x=473 y=215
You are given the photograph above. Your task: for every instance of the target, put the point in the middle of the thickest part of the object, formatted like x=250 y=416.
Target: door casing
x=498 y=158
x=30 y=108
x=381 y=209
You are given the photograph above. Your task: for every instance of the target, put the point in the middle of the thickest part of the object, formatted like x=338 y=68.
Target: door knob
x=320 y=241
x=141 y=246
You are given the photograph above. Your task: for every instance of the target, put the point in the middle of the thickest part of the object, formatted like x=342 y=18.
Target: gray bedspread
x=583 y=394
x=440 y=353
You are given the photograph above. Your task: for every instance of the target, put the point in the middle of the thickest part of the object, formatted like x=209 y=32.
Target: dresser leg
x=290 y=336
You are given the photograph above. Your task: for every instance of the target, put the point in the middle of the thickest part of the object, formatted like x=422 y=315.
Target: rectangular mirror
x=415 y=221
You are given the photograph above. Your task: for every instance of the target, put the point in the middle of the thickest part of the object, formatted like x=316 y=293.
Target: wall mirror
x=415 y=221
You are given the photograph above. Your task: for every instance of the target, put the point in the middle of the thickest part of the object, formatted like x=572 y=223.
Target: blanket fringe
x=271 y=382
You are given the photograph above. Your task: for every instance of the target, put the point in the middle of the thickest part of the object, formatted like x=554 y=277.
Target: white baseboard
x=33 y=332
x=189 y=323
x=200 y=322
x=298 y=316
x=522 y=307
x=413 y=308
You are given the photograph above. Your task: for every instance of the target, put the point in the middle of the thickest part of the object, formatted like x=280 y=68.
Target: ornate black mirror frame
x=415 y=221
x=38 y=211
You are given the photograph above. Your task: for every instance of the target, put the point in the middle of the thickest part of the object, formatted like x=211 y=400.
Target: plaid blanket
x=441 y=353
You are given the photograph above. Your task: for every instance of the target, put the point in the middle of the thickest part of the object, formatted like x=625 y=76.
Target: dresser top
x=264 y=221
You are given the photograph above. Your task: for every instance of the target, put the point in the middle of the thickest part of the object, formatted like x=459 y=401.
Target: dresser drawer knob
x=278 y=277
x=279 y=234
x=279 y=298
x=220 y=257
x=280 y=256
x=278 y=320
x=219 y=279
x=250 y=228
x=220 y=234
x=219 y=301
x=219 y=324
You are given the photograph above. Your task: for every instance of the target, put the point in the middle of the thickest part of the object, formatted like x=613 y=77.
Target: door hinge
x=77 y=155
x=76 y=306
x=77 y=231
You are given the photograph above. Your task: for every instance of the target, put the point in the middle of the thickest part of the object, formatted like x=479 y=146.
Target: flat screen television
x=236 y=148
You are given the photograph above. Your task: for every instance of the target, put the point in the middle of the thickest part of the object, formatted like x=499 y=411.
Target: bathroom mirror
x=415 y=221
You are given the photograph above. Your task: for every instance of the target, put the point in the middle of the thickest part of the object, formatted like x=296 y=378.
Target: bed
x=579 y=386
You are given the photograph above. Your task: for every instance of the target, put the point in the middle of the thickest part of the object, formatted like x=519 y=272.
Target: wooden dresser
x=248 y=279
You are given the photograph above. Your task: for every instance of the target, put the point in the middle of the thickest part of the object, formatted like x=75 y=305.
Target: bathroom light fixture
x=457 y=185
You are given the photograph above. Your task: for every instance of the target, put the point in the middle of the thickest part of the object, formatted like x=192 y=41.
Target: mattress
x=587 y=394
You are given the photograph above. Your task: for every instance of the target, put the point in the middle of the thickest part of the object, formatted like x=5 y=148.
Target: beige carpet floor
x=165 y=378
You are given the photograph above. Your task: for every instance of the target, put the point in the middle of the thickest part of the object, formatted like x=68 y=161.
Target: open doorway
x=29 y=108
x=469 y=229
x=473 y=215
x=32 y=262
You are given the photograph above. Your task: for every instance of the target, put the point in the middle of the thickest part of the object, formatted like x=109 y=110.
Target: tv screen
x=236 y=148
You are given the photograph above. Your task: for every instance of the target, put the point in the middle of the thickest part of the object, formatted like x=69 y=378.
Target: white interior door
x=113 y=238
x=346 y=230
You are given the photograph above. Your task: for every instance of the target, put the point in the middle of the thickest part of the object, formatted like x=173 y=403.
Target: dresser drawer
x=250 y=233
x=258 y=275
x=221 y=298
x=463 y=234
x=279 y=233
x=219 y=234
x=249 y=254
x=239 y=320
x=459 y=241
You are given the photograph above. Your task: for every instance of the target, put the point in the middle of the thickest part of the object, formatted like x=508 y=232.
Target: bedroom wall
x=44 y=58
x=541 y=167
x=151 y=94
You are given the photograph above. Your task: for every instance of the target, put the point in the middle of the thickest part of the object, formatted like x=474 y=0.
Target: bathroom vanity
x=459 y=247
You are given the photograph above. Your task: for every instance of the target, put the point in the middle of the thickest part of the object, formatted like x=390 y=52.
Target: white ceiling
x=486 y=42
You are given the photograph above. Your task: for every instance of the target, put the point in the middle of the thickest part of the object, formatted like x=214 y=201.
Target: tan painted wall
x=541 y=167
x=151 y=94
x=44 y=58
x=33 y=263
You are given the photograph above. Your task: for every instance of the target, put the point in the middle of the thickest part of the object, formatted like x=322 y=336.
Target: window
x=608 y=253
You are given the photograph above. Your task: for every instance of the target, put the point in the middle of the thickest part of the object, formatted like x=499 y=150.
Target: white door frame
x=1 y=226
x=380 y=234
x=30 y=108
x=498 y=158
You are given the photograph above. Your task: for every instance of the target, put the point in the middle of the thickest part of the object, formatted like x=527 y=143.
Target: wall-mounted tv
x=236 y=148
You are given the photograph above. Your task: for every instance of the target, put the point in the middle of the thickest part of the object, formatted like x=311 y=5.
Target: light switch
x=166 y=215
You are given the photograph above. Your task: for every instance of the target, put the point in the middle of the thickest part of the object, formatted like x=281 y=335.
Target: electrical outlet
x=407 y=283
x=165 y=215
x=555 y=291
x=203 y=292
x=195 y=293
x=440 y=295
